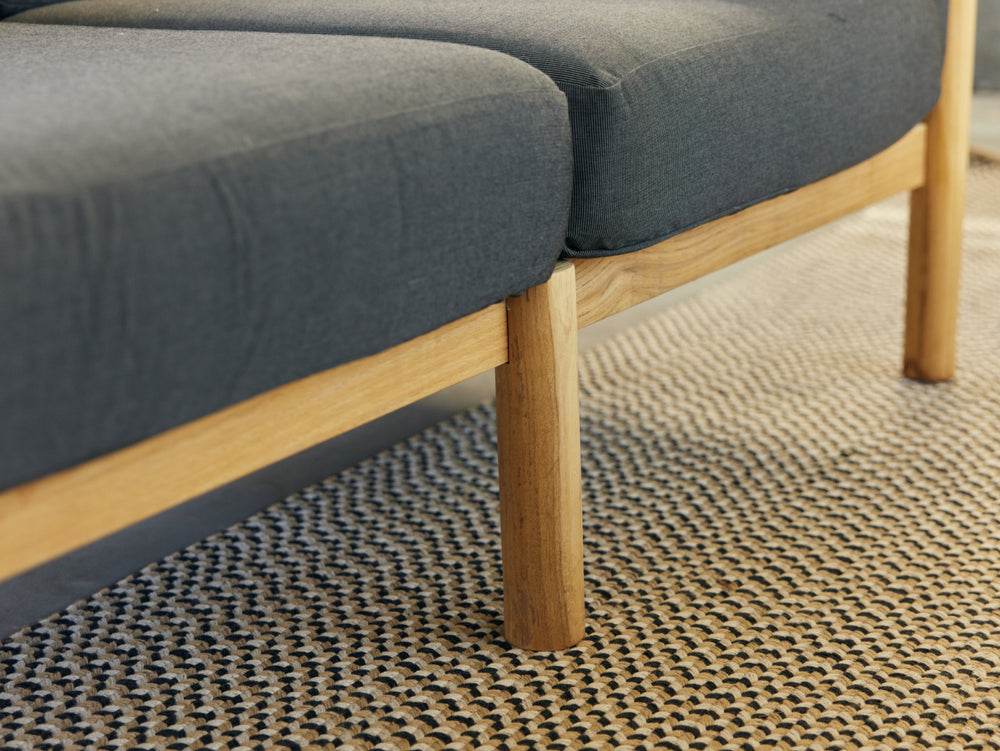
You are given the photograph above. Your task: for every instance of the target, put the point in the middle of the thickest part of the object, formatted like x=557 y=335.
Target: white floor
x=985 y=127
x=49 y=588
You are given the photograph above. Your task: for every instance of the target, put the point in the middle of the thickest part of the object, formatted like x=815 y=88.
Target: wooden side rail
x=611 y=284
x=43 y=519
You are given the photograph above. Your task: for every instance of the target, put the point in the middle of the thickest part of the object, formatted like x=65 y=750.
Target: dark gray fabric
x=190 y=218
x=682 y=110
x=10 y=7
x=942 y=6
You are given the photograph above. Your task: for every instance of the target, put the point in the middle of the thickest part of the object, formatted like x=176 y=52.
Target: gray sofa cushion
x=682 y=110
x=190 y=218
x=10 y=7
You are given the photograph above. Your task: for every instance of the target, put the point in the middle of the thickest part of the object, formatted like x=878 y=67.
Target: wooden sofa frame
x=531 y=342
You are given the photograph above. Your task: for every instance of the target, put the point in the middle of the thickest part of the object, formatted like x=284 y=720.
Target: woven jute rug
x=787 y=546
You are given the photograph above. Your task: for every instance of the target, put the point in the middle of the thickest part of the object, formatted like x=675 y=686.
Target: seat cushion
x=10 y=7
x=188 y=219
x=682 y=110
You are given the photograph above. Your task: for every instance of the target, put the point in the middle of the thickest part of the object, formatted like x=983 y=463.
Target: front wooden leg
x=936 y=211
x=538 y=437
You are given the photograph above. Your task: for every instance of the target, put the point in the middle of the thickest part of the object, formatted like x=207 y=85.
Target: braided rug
x=787 y=546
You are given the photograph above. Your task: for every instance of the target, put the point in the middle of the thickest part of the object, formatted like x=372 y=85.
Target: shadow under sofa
x=735 y=166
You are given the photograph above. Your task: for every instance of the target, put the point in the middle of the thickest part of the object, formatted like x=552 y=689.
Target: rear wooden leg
x=538 y=437
x=936 y=212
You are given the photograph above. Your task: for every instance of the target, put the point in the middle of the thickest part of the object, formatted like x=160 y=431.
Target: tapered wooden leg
x=538 y=436
x=936 y=212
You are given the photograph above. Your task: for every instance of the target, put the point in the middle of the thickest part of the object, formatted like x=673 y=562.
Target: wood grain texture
x=538 y=437
x=58 y=513
x=611 y=284
x=936 y=211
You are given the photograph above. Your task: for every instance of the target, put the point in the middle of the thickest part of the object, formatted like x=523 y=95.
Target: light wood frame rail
x=610 y=284
x=58 y=513
x=531 y=341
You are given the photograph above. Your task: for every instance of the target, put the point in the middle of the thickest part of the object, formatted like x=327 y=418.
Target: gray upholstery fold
x=188 y=219
x=682 y=110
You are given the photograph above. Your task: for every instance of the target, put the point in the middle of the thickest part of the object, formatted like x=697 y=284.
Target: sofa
x=232 y=230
